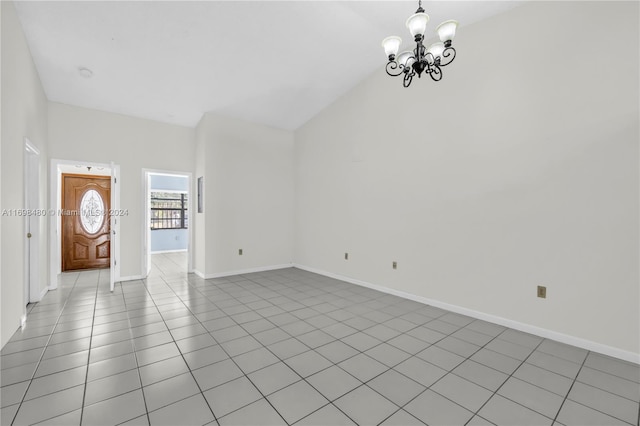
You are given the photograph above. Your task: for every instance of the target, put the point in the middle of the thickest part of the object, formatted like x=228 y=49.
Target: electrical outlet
x=240 y=252
x=542 y=291
x=395 y=265
x=346 y=256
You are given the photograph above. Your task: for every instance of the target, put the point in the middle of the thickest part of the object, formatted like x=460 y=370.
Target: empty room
x=320 y=213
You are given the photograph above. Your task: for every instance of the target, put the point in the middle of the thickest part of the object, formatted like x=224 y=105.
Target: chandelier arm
x=428 y=69
x=435 y=72
x=448 y=55
x=408 y=77
x=430 y=59
x=393 y=68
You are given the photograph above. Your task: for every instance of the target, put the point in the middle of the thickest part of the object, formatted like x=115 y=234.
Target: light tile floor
x=167 y=264
x=290 y=347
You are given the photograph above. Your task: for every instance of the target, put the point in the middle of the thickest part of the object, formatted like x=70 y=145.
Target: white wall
x=518 y=169
x=2 y=340
x=248 y=173
x=198 y=218
x=82 y=134
x=24 y=114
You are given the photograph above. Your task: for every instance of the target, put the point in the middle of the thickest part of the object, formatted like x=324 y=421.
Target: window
x=169 y=210
x=91 y=211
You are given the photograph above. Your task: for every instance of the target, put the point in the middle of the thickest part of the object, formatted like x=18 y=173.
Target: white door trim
x=55 y=207
x=114 y=244
x=32 y=224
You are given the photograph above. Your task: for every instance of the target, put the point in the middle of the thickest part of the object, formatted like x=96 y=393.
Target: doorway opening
x=94 y=194
x=168 y=232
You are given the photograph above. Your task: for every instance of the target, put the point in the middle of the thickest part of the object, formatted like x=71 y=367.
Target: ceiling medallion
x=421 y=59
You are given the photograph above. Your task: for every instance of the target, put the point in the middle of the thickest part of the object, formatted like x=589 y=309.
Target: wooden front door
x=86 y=227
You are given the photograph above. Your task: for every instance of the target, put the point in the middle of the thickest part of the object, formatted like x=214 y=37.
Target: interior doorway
x=168 y=232
x=108 y=171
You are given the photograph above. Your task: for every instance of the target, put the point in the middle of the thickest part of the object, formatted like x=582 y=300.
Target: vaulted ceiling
x=271 y=62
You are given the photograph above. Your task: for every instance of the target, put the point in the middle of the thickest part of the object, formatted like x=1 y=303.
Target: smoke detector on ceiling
x=85 y=72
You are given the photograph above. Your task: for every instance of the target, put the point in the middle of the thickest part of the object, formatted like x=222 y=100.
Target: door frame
x=55 y=224
x=32 y=292
x=114 y=247
x=146 y=217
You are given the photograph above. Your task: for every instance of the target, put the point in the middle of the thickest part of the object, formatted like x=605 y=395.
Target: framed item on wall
x=200 y=179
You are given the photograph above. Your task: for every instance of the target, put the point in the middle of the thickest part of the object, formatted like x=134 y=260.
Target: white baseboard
x=170 y=251
x=54 y=280
x=43 y=292
x=527 y=328
x=130 y=278
x=242 y=271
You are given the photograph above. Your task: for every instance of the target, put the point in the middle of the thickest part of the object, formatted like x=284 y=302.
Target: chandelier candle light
x=421 y=59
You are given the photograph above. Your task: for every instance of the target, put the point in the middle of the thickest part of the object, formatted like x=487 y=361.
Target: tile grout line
x=215 y=418
x=496 y=337
x=358 y=352
x=263 y=346
x=244 y=296
x=276 y=326
x=555 y=418
x=386 y=341
x=145 y=285
x=330 y=402
x=321 y=313
x=15 y=416
x=507 y=379
x=135 y=357
x=226 y=352
x=363 y=352
x=637 y=384
x=86 y=374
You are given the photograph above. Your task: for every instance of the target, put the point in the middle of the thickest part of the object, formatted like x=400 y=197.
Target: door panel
x=86 y=227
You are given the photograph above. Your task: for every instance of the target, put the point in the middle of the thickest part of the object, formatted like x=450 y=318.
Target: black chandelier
x=428 y=60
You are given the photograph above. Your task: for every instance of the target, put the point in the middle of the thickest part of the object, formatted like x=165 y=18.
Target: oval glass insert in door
x=92 y=211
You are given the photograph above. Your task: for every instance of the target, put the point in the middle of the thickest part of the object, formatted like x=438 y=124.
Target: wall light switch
x=395 y=265
x=240 y=252
x=346 y=256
